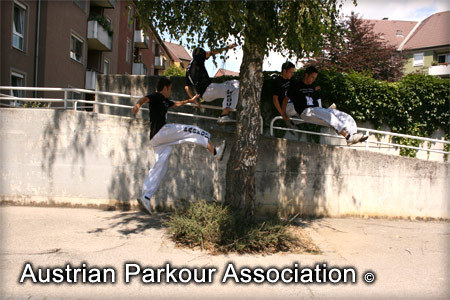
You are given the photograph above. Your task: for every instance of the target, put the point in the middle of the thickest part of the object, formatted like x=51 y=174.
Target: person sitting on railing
x=306 y=104
x=281 y=86
x=198 y=80
x=164 y=136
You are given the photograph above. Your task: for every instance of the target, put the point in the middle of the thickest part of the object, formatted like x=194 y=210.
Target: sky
x=405 y=10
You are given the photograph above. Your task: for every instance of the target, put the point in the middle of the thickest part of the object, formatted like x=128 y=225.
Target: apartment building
x=49 y=43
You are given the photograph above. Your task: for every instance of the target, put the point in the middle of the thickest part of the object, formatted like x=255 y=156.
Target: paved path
x=409 y=259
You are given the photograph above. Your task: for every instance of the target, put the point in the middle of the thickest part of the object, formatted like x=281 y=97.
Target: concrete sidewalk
x=409 y=258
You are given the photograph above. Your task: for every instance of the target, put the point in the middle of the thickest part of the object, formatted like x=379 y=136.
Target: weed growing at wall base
x=214 y=227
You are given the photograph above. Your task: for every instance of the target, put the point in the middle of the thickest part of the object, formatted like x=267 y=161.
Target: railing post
x=367 y=141
x=65 y=99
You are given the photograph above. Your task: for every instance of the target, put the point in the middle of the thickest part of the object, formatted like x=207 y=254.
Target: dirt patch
x=305 y=244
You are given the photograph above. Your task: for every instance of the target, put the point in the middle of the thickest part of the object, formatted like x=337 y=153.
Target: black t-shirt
x=302 y=96
x=196 y=74
x=280 y=89
x=158 y=106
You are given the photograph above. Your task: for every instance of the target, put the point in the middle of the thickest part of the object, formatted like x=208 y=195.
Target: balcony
x=139 y=69
x=91 y=79
x=141 y=40
x=440 y=70
x=103 y=3
x=160 y=62
x=98 y=38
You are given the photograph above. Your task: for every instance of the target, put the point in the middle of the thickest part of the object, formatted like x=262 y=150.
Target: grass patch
x=212 y=226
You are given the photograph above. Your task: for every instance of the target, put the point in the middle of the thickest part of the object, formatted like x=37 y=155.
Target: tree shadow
x=133 y=222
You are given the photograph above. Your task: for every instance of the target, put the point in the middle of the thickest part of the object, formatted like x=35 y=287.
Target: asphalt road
x=404 y=259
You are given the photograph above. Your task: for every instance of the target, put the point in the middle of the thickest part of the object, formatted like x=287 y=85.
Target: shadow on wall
x=131 y=160
x=108 y=157
x=98 y=149
x=305 y=175
x=67 y=136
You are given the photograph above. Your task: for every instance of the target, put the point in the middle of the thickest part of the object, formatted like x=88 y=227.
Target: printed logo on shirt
x=309 y=100
x=229 y=101
x=196 y=130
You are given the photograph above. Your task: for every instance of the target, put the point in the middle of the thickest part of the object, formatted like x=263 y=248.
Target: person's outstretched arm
x=138 y=105
x=217 y=51
x=181 y=103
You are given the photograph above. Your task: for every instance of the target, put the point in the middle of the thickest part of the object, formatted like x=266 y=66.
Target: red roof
x=178 y=51
x=225 y=72
x=432 y=32
x=393 y=32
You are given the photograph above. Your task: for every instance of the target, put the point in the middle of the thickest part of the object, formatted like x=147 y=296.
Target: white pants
x=168 y=136
x=228 y=91
x=326 y=117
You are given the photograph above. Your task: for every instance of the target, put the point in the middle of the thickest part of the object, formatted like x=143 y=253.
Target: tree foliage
x=174 y=70
x=297 y=27
x=358 y=48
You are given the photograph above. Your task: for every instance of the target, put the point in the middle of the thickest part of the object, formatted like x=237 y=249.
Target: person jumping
x=199 y=83
x=164 y=136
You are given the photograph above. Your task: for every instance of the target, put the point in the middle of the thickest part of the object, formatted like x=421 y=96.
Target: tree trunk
x=240 y=176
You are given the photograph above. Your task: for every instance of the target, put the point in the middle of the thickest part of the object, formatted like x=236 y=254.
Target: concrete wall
x=85 y=158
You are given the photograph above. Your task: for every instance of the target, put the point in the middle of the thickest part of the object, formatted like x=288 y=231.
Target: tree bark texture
x=241 y=167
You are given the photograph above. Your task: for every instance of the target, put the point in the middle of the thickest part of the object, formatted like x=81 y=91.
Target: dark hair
x=163 y=81
x=287 y=65
x=198 y=52
x=310 y=70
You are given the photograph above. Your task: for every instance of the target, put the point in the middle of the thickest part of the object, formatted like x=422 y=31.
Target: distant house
x=225 y=72
x=393 y=32
x=178 y=55
x=425 y=44
x=428 y=46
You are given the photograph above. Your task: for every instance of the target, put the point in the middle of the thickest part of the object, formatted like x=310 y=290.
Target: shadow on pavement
x=134 y=222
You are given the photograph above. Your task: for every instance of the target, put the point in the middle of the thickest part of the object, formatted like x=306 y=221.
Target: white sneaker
x=145 y=204
x=224 y=119
x=356 y=138
x=220 y=150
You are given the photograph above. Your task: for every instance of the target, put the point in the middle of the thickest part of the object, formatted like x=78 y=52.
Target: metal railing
x=66 y=100
x=367 y=131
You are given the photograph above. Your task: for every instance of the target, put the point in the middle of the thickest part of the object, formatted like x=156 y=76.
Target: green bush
x=416 y=105
x=214 y=227
x=174 y=70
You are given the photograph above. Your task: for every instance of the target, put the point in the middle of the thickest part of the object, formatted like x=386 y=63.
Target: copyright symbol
x=369 y=277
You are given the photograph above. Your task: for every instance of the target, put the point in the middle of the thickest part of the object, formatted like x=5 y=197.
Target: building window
x=418 y=59
x=76 y=48
x=399 y=33
x=444 y=58
x=19 y=26
x=127 y=58
x=130 y=18
x=17 y=80
x=106 y=67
